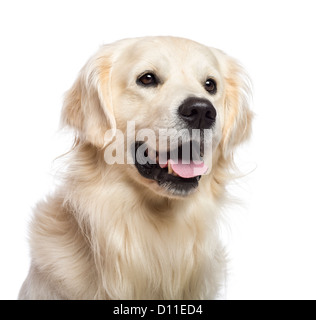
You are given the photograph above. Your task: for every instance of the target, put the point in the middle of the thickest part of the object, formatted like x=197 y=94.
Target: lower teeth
x=170 y=171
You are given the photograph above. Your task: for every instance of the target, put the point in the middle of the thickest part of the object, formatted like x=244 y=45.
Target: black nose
x=197 y=113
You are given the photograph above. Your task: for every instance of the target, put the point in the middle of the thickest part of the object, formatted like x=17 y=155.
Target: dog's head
x=173 y=105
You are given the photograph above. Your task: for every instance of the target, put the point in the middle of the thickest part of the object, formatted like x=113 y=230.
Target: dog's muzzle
x=182 y=167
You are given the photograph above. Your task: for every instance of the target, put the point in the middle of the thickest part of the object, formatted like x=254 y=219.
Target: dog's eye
x=210 y=86
x=148 y=80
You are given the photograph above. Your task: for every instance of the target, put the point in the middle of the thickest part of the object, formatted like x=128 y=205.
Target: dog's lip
x=156 y=155
x=173 y=183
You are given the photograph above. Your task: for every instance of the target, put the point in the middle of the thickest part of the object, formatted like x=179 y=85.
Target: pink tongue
x=189 y=170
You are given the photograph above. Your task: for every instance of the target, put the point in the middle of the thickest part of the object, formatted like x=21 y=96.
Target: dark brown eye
x=210 y=86
x=147 y=80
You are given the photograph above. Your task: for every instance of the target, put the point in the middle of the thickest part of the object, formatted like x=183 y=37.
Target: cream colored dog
x=142 y=229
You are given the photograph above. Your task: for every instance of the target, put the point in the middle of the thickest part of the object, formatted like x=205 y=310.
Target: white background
x=273 y=234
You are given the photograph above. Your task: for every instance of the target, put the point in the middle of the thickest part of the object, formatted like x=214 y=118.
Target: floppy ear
x=237 y=115
x=87 y=106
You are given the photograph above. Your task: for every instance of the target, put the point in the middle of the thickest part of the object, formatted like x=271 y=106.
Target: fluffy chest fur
x=110 y=243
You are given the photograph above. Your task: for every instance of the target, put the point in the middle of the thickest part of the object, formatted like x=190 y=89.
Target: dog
x=132 y=217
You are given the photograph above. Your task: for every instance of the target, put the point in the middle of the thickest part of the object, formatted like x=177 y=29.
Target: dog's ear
x=87 y=106
x=237 y=114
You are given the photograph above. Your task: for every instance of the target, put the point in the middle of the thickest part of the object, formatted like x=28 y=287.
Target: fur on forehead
x=167 y=53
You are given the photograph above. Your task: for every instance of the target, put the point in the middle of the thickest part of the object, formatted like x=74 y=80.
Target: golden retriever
x=132 y=219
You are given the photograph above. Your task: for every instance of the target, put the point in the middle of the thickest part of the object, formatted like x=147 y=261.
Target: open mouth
x=176 y=171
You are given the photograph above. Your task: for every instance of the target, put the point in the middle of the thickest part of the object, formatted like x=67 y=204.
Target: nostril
x=193 y=113
x=189 y=112
x=211 y=114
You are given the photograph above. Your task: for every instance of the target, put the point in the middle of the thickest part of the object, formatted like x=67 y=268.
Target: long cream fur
x=107 y=232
